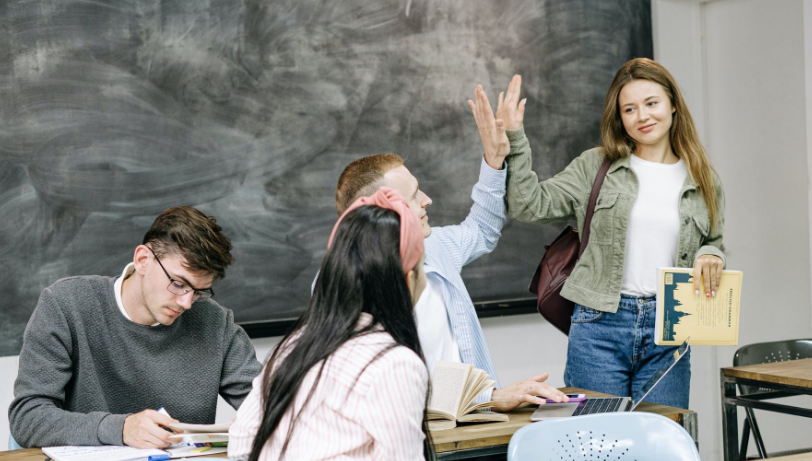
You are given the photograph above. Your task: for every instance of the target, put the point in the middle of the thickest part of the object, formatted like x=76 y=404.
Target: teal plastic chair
x=12 y=444
x=634 y=436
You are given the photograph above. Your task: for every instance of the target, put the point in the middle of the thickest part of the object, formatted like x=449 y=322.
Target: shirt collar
x=117 y=287
x=626 y=162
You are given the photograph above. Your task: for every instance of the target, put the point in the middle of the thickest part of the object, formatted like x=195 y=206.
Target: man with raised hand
x=447 y=323
x=101 y=354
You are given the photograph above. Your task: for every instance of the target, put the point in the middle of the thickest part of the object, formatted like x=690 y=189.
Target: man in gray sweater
x=101 y=354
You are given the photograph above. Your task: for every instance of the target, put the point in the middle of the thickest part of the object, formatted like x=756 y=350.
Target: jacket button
x=687 y=220
x=685 y=256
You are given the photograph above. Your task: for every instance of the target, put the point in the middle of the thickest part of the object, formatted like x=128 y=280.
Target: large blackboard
x=112 y=110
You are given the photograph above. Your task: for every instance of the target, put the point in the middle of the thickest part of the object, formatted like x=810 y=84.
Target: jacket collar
x=622 y=162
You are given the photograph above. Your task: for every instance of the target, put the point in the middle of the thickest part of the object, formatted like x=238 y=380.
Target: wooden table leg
x=730 y=421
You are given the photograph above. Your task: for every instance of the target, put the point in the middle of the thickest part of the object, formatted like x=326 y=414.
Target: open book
x=201 y=433
x=454 y=387
x=215 y=435
x=115 y=453
x=191 y=440
x=682 y=313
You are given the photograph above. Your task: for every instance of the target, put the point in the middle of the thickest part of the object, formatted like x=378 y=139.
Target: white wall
x=8 y=373
x=742 y=66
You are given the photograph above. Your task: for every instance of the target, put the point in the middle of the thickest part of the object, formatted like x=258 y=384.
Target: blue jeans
x=616 y=354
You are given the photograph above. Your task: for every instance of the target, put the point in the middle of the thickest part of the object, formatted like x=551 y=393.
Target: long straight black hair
x=361 y=272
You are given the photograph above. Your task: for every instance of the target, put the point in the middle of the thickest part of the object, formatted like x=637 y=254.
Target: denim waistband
x=637 y=301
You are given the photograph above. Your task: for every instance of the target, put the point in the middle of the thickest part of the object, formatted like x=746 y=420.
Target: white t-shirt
x=433 y=329
x=128 y=271
x=654 y=225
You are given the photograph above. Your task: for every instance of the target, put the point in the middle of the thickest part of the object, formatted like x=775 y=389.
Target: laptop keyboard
x=592 y=406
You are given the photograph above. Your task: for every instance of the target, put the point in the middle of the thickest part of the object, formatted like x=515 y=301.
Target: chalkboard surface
x=111 y=111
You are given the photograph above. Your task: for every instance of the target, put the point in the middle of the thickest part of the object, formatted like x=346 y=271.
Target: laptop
x=609 y=404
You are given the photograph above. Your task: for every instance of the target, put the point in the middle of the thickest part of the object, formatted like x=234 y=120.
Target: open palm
x=510 y=109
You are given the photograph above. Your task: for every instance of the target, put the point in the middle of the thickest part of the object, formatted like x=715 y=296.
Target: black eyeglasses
x=179 y=288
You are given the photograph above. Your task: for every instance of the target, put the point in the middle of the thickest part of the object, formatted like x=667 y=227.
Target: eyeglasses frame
x=196 y=294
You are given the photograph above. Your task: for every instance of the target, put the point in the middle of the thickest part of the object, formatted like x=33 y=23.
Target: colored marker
x=163 y=457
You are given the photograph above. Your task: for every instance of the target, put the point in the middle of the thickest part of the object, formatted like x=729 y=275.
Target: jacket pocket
x=603 y=220
x=702 y=227
x=583 y=314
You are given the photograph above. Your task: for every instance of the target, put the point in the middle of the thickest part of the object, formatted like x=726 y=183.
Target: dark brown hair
x=363 y=177
x=683 y=136
x=185 y=231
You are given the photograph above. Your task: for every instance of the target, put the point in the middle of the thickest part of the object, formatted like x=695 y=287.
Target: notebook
x=117 y=453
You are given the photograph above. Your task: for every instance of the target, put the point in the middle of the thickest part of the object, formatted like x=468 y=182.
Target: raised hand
x=491 y=130
x=510 y=109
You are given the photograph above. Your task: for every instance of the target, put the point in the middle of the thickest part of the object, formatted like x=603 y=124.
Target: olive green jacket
x=596 y=279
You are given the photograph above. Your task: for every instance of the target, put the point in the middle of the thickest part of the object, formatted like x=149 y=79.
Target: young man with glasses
x=101 y=354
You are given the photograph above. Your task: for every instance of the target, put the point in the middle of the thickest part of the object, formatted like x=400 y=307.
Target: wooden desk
x=470 y=440
x=484 y=439
x=800 y=457
x=793 y=377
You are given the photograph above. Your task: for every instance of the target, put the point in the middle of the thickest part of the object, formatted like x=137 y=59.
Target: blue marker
x=163 y=457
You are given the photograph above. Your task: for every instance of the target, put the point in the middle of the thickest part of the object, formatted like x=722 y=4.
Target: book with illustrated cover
x=682 y=313
x=454 y=388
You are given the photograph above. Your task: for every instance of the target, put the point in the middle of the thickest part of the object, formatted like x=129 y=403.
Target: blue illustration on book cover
x=671 y=316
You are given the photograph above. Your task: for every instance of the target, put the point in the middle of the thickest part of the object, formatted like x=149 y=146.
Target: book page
x=442 y=425
x=103 y=453
x=485 y=382
x=447 y=385
x=201 y=428
x=199 y=438
x=468 y=395
x=186 y=451
x=707 y=320
x=478 y=417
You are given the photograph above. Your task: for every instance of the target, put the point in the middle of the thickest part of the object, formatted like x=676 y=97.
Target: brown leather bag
x=558 y=261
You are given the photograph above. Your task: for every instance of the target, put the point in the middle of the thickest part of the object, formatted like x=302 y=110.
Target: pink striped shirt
x=379 y=416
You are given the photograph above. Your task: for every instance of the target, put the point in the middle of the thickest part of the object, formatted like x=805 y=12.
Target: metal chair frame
x=758 y=353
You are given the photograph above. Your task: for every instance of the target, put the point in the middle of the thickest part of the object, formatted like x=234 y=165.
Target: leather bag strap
x=593 y=199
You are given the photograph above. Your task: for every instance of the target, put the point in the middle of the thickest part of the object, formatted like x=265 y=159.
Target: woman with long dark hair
x=661 y=205
x=350 y=380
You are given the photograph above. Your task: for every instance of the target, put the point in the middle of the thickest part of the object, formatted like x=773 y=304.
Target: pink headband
x=411 y=232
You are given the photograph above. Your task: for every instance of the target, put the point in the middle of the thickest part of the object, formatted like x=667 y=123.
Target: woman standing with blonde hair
x=661 y=205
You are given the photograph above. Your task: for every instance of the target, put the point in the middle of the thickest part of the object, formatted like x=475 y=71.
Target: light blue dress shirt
x=449 y=248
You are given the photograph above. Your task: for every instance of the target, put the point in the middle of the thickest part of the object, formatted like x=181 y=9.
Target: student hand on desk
x=147 y=430
x=533 y=390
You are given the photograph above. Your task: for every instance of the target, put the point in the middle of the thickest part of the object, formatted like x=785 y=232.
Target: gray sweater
x=84 y=367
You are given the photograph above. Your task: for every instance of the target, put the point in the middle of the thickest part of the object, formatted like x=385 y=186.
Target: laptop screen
x=658 y=375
